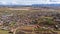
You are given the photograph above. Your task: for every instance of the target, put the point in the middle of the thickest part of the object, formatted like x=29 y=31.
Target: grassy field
x=3 y=32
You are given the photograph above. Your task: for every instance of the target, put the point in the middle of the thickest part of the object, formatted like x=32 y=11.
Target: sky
x=29 y=2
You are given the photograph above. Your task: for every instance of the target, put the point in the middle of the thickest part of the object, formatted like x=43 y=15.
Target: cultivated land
x=28 y=20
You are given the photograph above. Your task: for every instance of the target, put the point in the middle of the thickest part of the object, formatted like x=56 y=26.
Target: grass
x=3 y=32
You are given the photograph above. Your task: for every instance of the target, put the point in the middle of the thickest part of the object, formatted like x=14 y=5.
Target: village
x=33 y=21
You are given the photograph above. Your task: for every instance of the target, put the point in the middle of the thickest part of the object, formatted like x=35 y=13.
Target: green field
x=3 y=32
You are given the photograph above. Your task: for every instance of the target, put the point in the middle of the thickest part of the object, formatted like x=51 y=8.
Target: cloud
x=8 y=2
x=14 y=2
x=29 y=2
x=2 y=2
x=54 y=1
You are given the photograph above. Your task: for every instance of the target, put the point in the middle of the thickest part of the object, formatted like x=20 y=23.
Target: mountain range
x=33 y=5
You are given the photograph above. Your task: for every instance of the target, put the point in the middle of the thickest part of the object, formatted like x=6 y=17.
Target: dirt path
x=25 y=29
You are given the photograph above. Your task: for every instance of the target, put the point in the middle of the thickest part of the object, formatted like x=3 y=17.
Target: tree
x=46 y=21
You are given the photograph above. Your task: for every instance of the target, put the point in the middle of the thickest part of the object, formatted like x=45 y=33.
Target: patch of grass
x=4 y=32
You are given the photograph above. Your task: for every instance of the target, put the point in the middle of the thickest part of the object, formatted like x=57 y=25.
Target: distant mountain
x=33 y=5
x=15 y=6
x=46 y=5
